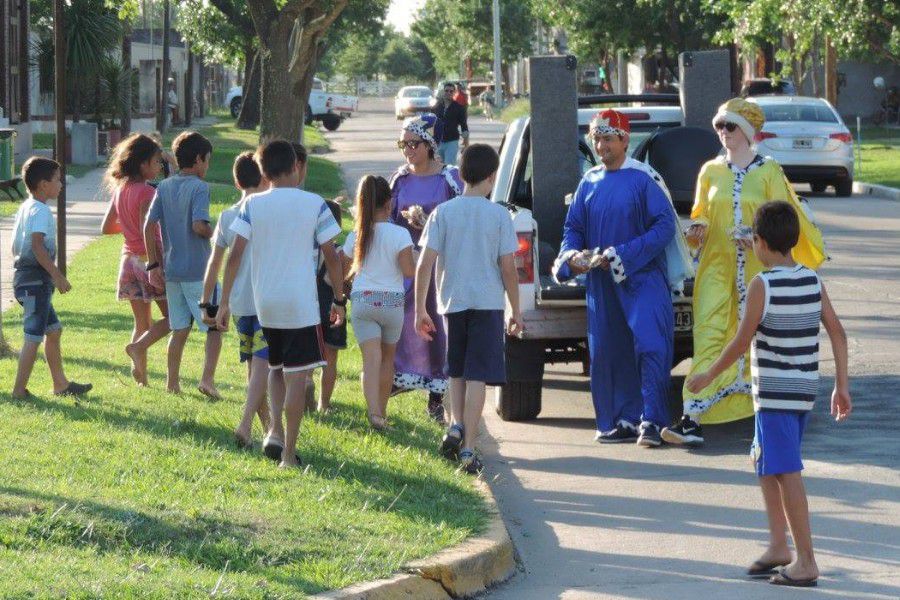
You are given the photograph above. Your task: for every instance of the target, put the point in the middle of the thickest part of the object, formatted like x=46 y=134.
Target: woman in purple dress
x=417 y=188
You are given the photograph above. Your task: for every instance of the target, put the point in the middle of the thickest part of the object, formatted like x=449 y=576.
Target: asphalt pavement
x=592 y=521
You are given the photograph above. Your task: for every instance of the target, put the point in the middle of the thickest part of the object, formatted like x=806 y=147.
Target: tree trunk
x=188 y=86
x=814 y=66
x=126 y=60
x=281 y=114
x=249 y=115
x=162 y=105
x=201 y=97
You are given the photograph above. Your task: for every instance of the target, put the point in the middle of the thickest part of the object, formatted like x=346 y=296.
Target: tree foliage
x=220 y=37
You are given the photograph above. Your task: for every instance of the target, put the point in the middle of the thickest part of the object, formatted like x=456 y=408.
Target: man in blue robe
x=618 y=230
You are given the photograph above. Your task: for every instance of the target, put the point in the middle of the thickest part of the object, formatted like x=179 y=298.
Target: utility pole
x=59 y=63
x=162 y=120
x=498 y=74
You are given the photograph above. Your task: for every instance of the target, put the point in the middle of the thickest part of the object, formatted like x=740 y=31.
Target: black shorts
x=335 y=337
x=295 y=349
x=476 y=348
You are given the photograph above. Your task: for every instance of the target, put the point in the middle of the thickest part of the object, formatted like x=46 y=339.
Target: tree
x=162 y=99
x=402 y=60
x=360 y=57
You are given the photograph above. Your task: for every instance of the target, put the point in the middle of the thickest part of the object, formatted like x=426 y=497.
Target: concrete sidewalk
x=85 y=207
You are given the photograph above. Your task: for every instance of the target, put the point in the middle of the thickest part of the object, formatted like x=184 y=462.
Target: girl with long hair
x=378 y=254
x=135 y=162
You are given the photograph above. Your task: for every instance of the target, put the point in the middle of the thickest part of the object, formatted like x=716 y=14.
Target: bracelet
x=152 y=266
x=204 y=305
x=341 y=303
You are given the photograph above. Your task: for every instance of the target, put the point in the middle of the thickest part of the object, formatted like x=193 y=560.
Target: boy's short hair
x=777 y=224
x=479 y=161
x=246 y=171
x=37 y=169
x=300 y=151
x=188 y=147
x=276 y=158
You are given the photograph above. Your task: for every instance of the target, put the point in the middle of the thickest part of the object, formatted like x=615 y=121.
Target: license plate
x=802 y=144
x=684 y=318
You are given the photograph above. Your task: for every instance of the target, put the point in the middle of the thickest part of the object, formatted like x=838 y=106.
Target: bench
x=12 y=184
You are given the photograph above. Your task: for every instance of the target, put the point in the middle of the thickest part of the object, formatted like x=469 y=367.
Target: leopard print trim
x=615 y=264
x=411 y=381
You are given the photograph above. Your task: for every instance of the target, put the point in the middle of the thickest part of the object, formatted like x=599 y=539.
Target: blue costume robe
x=626 y=214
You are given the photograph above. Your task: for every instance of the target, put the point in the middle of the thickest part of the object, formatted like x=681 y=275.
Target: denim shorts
x=39 y=317
x=184 y=298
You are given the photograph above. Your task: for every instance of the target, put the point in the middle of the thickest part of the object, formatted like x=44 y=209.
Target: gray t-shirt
x=470 y=234
x=32 y=217
x=179 y=201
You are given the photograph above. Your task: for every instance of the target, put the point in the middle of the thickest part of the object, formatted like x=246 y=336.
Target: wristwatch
x=341 y=303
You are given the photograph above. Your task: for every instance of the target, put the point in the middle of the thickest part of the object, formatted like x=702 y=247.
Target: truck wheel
x=331 y=121
x=236 y=106
x=818 y=186
x=518 y=400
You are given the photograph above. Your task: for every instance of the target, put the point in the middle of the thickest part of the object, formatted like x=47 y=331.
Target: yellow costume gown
x=727 y=196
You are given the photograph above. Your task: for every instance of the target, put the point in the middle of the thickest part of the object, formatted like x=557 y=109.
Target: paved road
x=621 y=522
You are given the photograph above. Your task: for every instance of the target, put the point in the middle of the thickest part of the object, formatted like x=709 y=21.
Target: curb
x=459 y=572
x=874 y=189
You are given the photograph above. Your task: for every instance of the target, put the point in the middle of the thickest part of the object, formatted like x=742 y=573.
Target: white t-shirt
x=241 y=300
x=284 y=228
x=380 y=270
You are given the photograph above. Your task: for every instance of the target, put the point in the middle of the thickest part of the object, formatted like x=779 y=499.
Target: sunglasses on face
x=411 y=144
x=729 y=127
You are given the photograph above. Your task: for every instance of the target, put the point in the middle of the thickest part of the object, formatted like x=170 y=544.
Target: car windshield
x=798 y=112
x=416 y=93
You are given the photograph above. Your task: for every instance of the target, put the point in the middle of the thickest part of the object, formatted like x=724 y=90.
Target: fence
x=376 y=89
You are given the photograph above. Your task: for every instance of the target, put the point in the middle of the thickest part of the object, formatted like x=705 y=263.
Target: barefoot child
x=785 y=304
x=474 y=244
x=136 y=160
x=379 y=254
x=181 y=207
x=253 y=348
x=274 y=227
x=35 y=277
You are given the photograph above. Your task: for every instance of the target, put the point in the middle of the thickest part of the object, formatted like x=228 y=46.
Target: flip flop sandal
x=272 y=448
x=784 y=579
x=764 y=569
x=211 y=394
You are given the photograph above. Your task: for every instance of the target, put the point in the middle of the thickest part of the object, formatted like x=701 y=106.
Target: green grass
x=515 y=109
x=880 y=151
x=43 y=140
x=136 y=493
x=9 y=205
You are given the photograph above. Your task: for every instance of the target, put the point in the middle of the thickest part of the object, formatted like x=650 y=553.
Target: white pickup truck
x=330 y=109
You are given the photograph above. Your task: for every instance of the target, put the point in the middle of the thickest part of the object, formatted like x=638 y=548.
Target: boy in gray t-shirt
x=473 y=242
x=181 y=207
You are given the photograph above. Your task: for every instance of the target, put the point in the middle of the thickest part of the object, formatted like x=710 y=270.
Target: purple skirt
x=421 y=364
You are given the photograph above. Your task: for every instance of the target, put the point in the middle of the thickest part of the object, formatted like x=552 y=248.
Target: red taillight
x=638 y=116
x=525 y=258
x=763 y=135
x=842 y=137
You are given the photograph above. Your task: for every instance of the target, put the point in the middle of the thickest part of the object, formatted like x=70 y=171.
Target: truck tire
x=818 y=186
x=331 y=121
x=518 y=400
x=235 y=106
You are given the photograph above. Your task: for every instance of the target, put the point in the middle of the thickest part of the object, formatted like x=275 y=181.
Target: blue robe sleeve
x=659 y=226
x=574 y=235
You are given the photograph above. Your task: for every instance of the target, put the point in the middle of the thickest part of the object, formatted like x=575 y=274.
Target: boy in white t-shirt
x=283 y=227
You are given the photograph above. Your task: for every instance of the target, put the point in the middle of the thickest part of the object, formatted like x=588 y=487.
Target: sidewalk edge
x=458 y=572
x=875 y=189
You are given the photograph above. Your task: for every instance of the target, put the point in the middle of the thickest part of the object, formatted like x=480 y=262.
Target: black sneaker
x=624 y=432
x=75 y=389
x=470 y=463
x=649 y=437
x=435 y=408
x=451 y=443
x=685 y=432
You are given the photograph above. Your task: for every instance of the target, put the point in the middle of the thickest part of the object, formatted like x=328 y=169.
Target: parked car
x=809 y=140
x=763 y=86
x=330 y=109
x=413 y=99
x=555 y=314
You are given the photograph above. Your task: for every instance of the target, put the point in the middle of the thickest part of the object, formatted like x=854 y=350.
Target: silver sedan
x=809 y=140
x=412 y=99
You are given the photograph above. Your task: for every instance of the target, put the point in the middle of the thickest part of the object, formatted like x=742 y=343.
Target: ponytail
x=371 y=195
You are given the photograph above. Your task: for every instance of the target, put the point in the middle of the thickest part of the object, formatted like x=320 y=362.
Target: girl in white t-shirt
x=378 y=255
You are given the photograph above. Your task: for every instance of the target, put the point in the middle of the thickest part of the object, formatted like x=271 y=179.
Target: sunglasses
x=729 y=127
x=411 y=144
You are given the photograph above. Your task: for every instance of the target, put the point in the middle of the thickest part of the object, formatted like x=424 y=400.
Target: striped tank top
x=785 y=351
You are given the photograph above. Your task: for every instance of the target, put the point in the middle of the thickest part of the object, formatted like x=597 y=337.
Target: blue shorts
x=39 y=317
x=251 y=337
x=776 y=444
x=184 y=298
x=476 y=348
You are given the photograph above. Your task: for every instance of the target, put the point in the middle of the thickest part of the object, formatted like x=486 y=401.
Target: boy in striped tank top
x=785 y=305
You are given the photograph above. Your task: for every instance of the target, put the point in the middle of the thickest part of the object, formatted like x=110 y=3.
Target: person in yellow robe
x=729 y=190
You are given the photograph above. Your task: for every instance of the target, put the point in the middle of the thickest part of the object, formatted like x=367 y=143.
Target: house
x=14 y=72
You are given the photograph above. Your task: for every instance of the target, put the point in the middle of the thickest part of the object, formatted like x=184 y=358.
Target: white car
x=323 y=106
x=413 y=99
x=809 y=140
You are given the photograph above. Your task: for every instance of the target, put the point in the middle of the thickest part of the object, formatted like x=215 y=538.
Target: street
x=592 y=521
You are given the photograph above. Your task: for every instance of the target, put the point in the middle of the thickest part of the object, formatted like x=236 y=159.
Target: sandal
x=452 y=441
x=764 y=569
x=211 y=393
x=75 y=389
x=784 y=579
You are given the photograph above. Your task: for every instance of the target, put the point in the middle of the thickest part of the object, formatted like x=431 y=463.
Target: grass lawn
x=136 y=493
x=880 y=156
